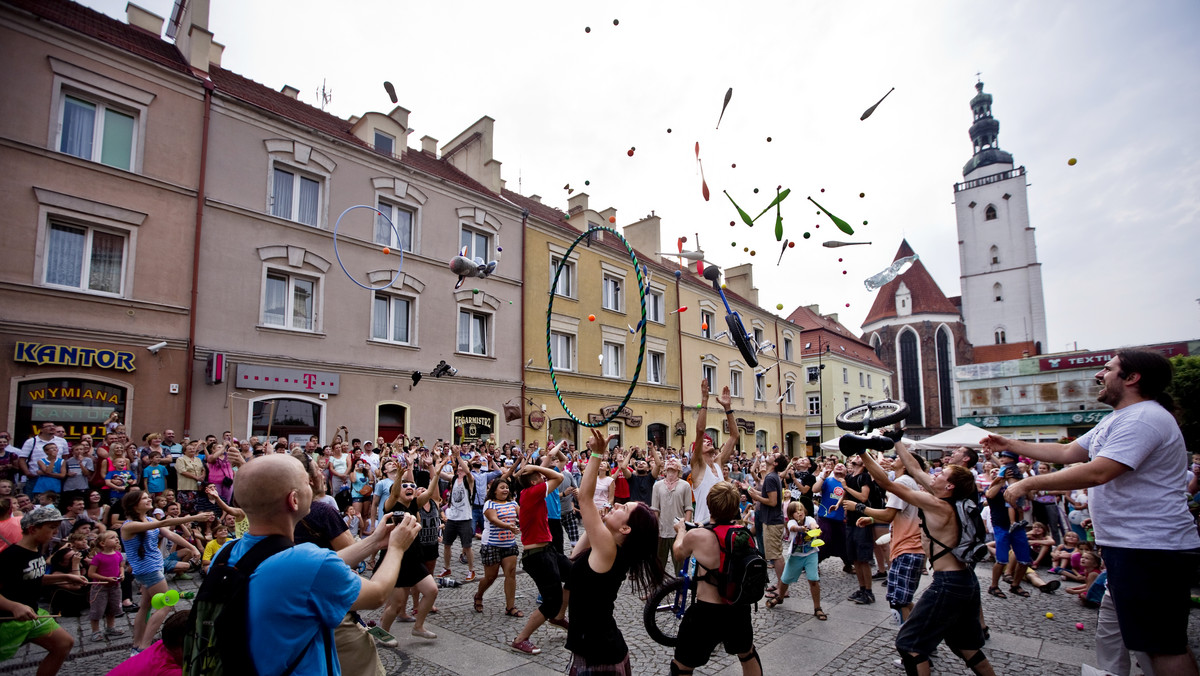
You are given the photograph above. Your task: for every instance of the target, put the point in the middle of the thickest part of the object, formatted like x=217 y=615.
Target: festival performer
x=706 y=461
x=622 y=542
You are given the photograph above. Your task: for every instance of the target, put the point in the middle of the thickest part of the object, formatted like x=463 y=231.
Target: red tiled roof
x=987 y=353
x=106 y=29
x=927 y=297
x=819 y=330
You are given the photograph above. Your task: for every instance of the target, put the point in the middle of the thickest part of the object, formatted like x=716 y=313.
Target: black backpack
x=741 y=578
x=972 y=537
x=215 y=644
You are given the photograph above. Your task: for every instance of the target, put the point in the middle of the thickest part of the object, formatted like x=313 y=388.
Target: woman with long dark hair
x=622 y=544
x=139 y=538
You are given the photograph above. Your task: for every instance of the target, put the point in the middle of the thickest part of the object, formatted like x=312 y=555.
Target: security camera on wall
x=156 y=347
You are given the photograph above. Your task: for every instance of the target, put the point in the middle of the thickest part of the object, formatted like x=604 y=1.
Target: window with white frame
x=814 y=373
x=86 y=258
x=706 y=324
x=562 y=351
x=295 y=196
x=402 y=217
x=473 y=332
x=860 y=378
x=789 y=392
x=845 y=400
x=611 y=287
x=845 y=375
x=566 y=279
x=814 y=404
x=391 y=318
x=868 y=381
x=787 y=349
x=477 y=243
x=654 y=306
x=290 y=301
x=656 y=368
x=758 y=337
x=384 y=143
x=735 y=383
x=709 y=373
x=92 y=129
x=614 y=360
x=760 y=387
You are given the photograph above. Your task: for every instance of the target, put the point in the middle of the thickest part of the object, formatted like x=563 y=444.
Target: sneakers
x=98 y=636
x=114 y=631
x=881 y=575
x=863 y=596
x=870 y=596
x=525 y=647
x=1050 y=587
x=423 y=633
x=462 y=558
x=182 y=576
x=470 y=576
x=856 y=596
x=848 y=569
x=445 y=573
x=1019 y=526
x=897 y=618
x=381 y=635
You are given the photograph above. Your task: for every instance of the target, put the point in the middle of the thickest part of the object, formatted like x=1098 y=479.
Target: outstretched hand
x=724 y=399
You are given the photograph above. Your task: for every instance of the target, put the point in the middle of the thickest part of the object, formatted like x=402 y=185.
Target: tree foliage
x=1185 y=389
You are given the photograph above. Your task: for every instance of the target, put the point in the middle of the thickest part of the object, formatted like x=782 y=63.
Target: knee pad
x=676 y=670
x=752 y=656
x=973 y=661
x=910 y=662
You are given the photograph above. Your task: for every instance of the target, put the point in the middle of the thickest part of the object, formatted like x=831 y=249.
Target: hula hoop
x=642 y=347
x=339 y=255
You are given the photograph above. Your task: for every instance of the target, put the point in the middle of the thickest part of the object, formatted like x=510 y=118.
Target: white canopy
x=832 y=444
x=964 y=435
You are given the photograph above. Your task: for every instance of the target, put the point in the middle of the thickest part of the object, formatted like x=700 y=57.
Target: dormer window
x=385 y=144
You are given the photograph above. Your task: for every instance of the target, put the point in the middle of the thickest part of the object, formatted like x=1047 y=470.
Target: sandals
x=1019 y=591
x=773 y=601
x=820 y=614
x=995 y=591
x=513 y=612
x=478 y=603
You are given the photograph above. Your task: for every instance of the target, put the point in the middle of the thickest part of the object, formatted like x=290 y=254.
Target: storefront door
x=80 y=405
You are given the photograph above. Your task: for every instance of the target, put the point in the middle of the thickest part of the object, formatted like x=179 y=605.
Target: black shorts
x=705 y=625
x=860 y=543
x=949 y=609
x=1151 y=590
x=548 y=569
x=463 y=530
x=412 y=570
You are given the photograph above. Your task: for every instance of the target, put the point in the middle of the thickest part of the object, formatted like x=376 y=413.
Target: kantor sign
x=386 y=249
x=641 y=286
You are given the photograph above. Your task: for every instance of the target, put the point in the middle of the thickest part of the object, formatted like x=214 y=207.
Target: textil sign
x=288 y=380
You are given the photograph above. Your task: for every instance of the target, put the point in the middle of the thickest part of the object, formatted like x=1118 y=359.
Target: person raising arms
x=706 y=460
x=624 y=541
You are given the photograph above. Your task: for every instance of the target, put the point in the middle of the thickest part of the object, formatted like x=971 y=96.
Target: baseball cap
x=41 y=515
x=1010 y=454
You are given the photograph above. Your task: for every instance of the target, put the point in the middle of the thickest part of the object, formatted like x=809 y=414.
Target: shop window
x=285 y=418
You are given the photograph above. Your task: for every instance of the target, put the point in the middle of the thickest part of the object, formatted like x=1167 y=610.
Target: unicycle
x=866 y=418
x=743 y=341
x=665 y=608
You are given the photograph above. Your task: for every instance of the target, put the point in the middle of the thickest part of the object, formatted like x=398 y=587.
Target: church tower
x=1001 y=279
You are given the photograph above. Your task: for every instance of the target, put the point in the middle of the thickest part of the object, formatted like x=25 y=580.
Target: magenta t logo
x=309 y=379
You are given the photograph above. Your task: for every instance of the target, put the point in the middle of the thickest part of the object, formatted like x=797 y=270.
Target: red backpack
x=741 y=577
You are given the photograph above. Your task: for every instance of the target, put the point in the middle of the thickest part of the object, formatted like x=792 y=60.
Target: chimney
x=192 y=38
x=643 y=236
x=536 y=198
x=429 y=145
x=144 y=19
x=577 y=202
x=290 y=92
x=215 y=52
x=607 y=214
x=814 y=308
x=740 y=280
x=832 y=317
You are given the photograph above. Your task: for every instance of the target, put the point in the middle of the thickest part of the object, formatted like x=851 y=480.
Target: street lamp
x=821 y=385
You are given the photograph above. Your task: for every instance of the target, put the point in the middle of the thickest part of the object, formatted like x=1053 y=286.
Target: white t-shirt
x=459 y=508
x=712 y=474
x=1145 y=508
x=795 y=536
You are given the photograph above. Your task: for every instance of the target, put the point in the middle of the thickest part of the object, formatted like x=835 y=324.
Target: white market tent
x=964 y=435
x=832 y=444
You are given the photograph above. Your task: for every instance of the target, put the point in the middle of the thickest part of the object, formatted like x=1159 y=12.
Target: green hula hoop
x=637 y=268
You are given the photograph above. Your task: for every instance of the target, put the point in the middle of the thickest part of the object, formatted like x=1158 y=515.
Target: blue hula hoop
x=338 y=255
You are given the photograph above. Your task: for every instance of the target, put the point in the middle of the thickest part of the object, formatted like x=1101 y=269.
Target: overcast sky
x=1113 y=84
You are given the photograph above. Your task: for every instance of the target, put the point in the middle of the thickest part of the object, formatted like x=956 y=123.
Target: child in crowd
x=1041 y=543
x=214 y=546
x=801 y=557
x=155 y=475
x=50 y=472
x=119 y=479
x=1075 y=571
x=1091 y=565
x=353 y=520
x=1061 y=556
x=106 y=569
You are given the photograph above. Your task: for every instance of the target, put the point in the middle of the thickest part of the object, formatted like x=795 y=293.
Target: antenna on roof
x=176 y=18
x=324 y=94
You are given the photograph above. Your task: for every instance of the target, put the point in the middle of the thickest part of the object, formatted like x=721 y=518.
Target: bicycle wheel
x=664 y=611
x=872 y=415
x=737 y=333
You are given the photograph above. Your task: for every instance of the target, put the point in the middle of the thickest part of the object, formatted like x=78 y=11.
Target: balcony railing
x=994 y=178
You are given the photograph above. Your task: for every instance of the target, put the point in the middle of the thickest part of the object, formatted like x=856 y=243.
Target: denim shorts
x=148 y=580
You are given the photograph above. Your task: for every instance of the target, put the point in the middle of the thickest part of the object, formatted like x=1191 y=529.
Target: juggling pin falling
x=745 y=216
x=833 y=244
x=897 y=267
x=391 y=91
x=728 y=95
x=842 y=225
x=872 y=108
x=682 y=309
x=785 y=243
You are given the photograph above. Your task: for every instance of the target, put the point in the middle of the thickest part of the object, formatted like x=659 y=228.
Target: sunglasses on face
x=408 y=485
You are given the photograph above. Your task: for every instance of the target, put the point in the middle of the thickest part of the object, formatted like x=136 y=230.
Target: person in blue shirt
x=831 y=514
x=299 y=595
x=155 y=475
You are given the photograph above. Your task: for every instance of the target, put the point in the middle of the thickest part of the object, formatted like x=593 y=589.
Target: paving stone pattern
x=856 y=639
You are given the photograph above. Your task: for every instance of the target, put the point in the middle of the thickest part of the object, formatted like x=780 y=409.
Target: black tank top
x=593 y=633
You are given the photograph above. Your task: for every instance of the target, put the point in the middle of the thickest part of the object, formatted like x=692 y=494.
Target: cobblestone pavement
x=855 y=640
